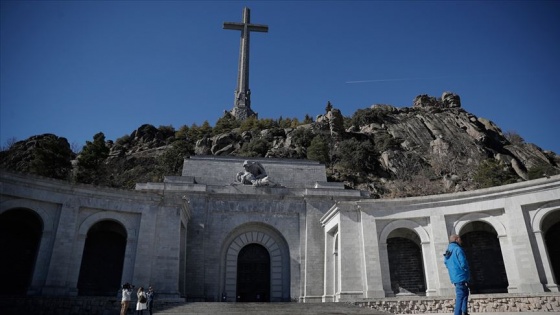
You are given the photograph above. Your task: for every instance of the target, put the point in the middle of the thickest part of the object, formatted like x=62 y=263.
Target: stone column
x=429 y=266
x=385 y=271
x=42 y=264
x=443 y=286
x=372 y=274
x=313 y=273
x=518 y=257
x=350 y=254
x=551 y=283
x=158 y=254
x=63 y=263
x=331 y=257
x=510 y=263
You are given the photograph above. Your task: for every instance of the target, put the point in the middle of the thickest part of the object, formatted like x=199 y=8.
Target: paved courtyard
x=266 y=308
x=286 y=308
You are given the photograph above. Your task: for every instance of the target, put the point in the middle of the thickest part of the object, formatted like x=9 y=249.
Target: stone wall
x=210 y=170
x=64 y=305
x=546 y=302
x=60 y=305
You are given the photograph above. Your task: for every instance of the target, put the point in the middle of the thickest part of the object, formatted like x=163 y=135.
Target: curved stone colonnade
x=317 y=241
x=510 y=236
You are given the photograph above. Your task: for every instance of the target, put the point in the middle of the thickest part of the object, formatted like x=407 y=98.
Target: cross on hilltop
x=242 y=103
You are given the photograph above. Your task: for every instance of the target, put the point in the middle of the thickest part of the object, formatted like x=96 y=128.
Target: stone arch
x=546 y=228
x=273 y=242
x=128 y=222
x=102 y=259
x=538 y=218
x=482 y=246
x=48 y=214
x=404 y=224
x=552 y=235
x=471 y=217
x=48 y=220
x=253 y=274
x=406 y=231
x=123 y=219
x=406 y=266
x=21 y=230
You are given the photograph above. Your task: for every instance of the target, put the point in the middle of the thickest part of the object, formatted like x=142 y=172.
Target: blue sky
x=75 y=68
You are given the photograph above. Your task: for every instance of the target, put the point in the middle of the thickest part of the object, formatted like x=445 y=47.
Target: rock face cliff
x=432 y=147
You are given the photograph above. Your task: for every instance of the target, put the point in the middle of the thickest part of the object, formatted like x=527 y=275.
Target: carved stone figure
x=254 y=174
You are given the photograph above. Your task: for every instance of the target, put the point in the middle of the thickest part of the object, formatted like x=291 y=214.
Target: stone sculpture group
x=254 y=174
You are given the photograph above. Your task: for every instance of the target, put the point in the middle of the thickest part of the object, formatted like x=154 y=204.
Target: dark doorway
x=20 y=236
x=552 y=237
x=253 y=274
x=102 y=261
x=484 y=254
x=405 y=266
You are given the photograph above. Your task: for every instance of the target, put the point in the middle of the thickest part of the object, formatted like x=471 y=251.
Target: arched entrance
x=261 y=236
x=484 y=254
x=253 y=274
x=551 y=229
x=405 y=263
x=102 y=261
x=20 y=236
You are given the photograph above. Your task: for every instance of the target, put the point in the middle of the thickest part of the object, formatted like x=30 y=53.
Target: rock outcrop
x=434 y=146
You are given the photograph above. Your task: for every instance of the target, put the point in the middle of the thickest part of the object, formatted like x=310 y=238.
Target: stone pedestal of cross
x=242 y=103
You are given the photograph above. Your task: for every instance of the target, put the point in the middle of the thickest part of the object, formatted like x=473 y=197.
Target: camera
x=127 y=286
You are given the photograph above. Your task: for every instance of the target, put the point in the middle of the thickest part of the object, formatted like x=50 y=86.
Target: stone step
x=262 y=308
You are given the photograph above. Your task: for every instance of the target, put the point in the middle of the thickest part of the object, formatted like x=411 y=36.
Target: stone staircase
x=280 y=308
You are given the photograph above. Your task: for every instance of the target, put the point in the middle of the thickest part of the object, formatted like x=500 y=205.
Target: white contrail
x=382 y=80
x=404 y=79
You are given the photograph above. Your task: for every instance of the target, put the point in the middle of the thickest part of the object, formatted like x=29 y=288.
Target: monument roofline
x=253 y=159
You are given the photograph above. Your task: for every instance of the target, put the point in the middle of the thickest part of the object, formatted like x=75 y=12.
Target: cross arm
x=233 y=26
x=250 y=27
x=258 y=28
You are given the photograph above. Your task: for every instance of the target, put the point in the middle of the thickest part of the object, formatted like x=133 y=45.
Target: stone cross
x=242 y=103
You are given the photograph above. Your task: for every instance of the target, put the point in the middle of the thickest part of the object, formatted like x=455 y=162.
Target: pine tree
x=91 y=161
x=318 y=150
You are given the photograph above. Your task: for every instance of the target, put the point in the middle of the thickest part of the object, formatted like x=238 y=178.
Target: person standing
x=126 y=293
x=456 y=262
x=151 y=295
x=142 y=301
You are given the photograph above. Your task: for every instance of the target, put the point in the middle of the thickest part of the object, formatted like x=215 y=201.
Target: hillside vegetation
x=432 y=147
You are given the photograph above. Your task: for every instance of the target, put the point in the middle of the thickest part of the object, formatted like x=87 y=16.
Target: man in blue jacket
x=458 y=267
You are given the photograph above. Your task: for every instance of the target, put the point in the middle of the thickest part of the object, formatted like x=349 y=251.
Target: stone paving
x=201 y=308
x=265 y=308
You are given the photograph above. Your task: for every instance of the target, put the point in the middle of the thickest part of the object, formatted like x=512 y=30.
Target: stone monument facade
x=242 y=103
x=204 y=236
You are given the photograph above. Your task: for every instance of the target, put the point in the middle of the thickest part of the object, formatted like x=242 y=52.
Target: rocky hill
x=432 y=147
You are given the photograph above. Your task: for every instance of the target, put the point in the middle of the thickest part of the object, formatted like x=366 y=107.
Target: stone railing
x=479 y=303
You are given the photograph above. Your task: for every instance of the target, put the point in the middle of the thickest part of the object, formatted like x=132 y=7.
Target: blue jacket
x=456 y=262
